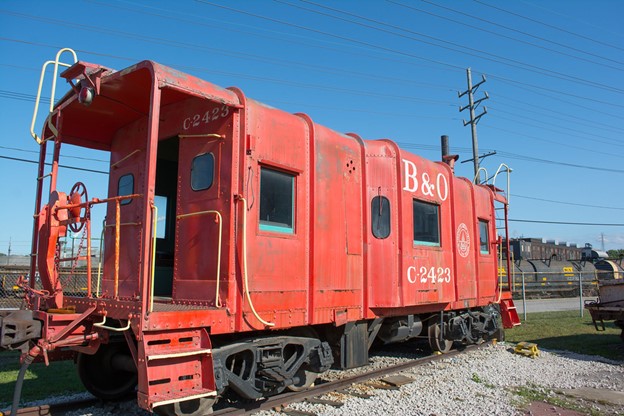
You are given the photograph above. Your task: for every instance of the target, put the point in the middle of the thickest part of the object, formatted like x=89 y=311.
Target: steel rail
x=54 y=409
x=282 y=400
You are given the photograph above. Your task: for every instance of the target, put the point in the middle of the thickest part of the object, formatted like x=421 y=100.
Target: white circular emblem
x=463 y=240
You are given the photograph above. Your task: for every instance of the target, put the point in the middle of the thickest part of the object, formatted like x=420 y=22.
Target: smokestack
x=446 y=158
x=445 y=146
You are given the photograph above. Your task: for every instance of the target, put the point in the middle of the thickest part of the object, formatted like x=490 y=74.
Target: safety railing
x=87 y=205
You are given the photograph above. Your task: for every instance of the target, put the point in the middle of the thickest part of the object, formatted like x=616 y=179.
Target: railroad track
x=280 y=402
x=54 y=409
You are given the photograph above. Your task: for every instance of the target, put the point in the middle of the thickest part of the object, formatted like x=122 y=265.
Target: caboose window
x=380 y=216
x=426 y=224
x=276 y=201
x=202 y=171
x=484 y=239
x=125 y=186
x=161 y=222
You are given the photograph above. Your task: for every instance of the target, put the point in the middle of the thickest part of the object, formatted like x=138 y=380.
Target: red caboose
x=247 y=248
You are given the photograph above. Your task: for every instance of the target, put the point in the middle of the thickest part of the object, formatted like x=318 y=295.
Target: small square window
x=277 y=206
x=125 y=186
x=426 y=224
x=202 y=172
x=484 y=237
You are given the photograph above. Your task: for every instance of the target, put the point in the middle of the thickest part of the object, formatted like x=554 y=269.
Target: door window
x=202 y=171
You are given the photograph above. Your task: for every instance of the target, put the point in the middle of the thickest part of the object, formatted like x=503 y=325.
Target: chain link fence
x=74 y=283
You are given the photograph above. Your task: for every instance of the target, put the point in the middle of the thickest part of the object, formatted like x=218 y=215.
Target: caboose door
x=202 y=215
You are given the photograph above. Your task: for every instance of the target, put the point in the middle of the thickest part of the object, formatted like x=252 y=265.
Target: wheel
x=499 y=334
x=193 y=407
x=436 y=344
x=110 y=373
x=306 y=380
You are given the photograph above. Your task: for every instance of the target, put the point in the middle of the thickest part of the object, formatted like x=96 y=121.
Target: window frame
x=212 y=178
x=163 y=211
x=384 y=219
x=119 y=193
x=487 y=236
x=425 y=243
x=272 y=226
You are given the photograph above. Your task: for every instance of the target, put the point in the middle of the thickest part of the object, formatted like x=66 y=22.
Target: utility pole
x=472 y=106
x=9 y=253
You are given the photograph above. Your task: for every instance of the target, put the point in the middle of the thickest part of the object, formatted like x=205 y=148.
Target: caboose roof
x=125 y=97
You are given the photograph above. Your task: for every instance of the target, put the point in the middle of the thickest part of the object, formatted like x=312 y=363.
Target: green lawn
x=40 y=382
x=568 y=331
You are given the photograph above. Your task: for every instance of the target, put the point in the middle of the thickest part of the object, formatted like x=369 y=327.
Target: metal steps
x=509 y=314
x=177 y=367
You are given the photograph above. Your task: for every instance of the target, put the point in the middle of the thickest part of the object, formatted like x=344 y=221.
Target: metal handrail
x=56 y=63
x=478 y=177
x=507 y=170
x=244 y=259
x=220 y=221
x=111 y=328
x=153 y=260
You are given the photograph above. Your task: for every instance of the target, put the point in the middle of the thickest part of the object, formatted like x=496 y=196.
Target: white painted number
x=431 y=275
x=210 y=115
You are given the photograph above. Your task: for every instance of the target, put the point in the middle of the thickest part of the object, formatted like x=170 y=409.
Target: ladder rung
x=161 y=400
x=178 y=354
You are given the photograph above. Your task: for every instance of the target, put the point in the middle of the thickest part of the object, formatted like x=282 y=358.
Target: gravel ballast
x=482 y=382
x=479 y=382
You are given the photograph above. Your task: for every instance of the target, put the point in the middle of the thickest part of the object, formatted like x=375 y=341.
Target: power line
x=461 y=48
x=64 y=156
x=568 y=223
x=520 y=31
x=548 y=127
x=26 y=97
x=510 y=155
x=526 y=84
x=535 y=45
x=567 y=117
x=567 y=203
x=552 y=26
x=565 y=145
x=49 y=164
x=552 y=162
x=540 y=70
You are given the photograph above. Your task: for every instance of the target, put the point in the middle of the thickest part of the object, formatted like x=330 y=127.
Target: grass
x=568 y=331
x=539 y=394
x=40 y=382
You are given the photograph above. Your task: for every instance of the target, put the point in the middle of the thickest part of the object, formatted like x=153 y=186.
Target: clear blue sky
x=382 y=69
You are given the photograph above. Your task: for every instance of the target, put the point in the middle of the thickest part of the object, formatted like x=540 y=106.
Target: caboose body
x=246 y=248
